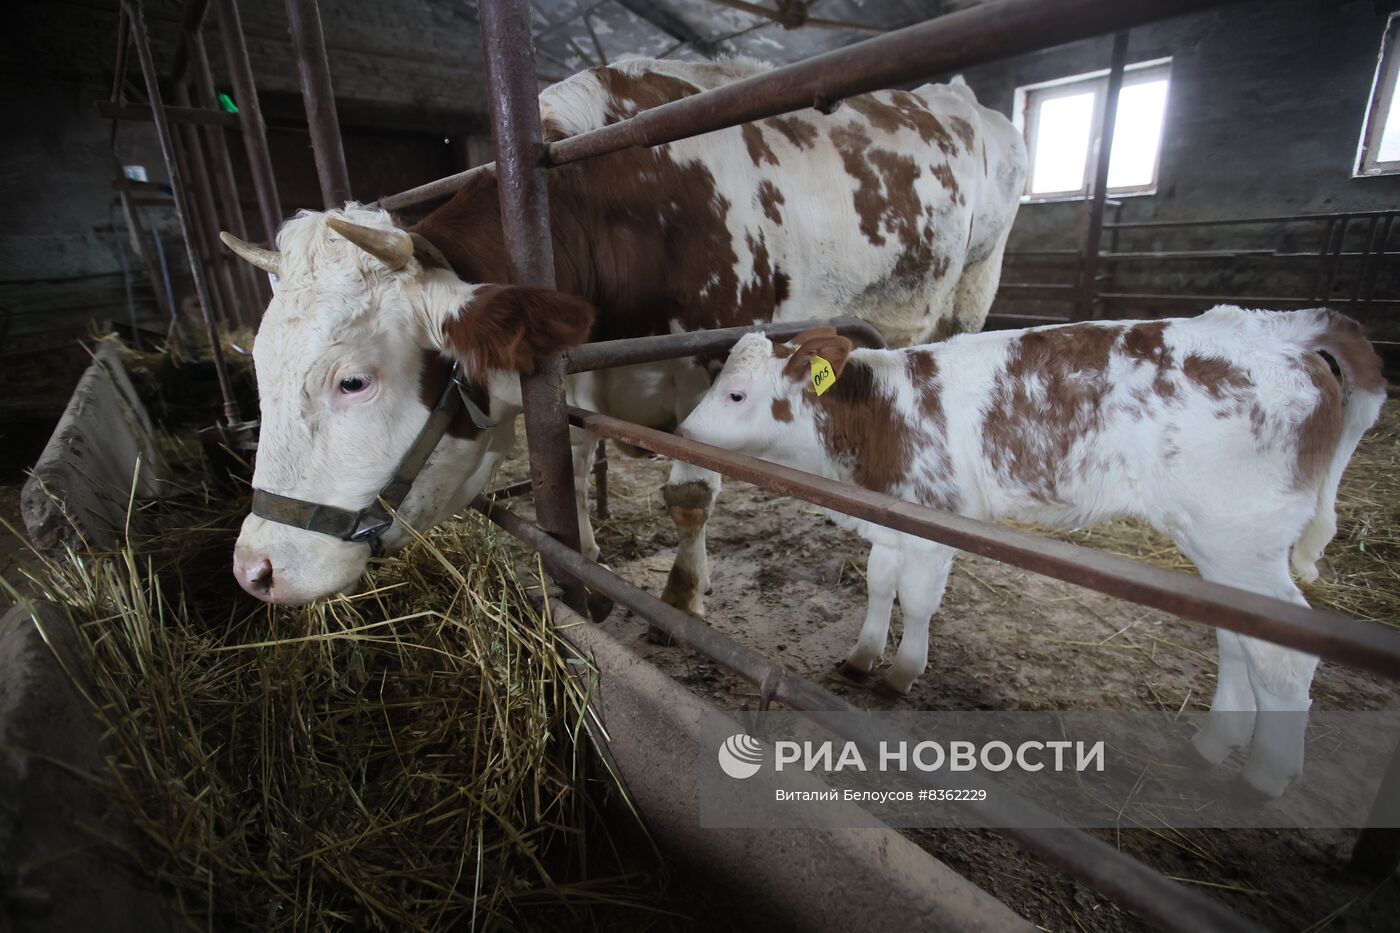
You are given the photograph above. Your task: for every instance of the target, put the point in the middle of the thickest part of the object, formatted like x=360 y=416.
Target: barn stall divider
x=948 y=43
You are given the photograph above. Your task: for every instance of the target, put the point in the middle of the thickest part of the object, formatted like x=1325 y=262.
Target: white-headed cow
x=895 y=208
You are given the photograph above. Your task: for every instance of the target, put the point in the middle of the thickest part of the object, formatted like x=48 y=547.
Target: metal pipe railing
x=630 y=351
x=1080 y=855
x=141 y=41
x=240 y=70
x=524 y=204
x=1338 y=638
x=944 y=44
x=1230 y=221
x=313 y=70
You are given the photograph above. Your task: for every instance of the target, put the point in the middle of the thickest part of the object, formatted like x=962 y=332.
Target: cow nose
x=255 y=576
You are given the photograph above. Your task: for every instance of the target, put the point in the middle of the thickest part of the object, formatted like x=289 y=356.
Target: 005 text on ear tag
x=823 y=377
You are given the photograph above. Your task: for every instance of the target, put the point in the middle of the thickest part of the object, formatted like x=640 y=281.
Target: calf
x=1227 y=432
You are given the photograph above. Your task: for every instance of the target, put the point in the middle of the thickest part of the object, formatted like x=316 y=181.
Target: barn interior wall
x=1263 y=118
x=411 y=112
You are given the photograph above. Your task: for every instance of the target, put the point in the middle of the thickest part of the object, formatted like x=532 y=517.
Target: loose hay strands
x=403 y=759
x=1360 y=570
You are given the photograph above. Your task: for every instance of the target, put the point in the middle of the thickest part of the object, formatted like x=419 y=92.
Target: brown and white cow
x=1227 y=432
x=895 y=208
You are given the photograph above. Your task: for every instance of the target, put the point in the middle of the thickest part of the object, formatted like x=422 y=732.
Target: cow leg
x=977 y=288
x=881 y=578
x=689 y=495
x=1231 y=720
x=923 y=577
x=584 y=444
x=1279 y=679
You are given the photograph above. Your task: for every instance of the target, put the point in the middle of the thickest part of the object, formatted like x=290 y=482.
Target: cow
x=1226 y=432
x=894 y=207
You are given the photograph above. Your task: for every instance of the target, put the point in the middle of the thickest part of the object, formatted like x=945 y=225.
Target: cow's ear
x=509 y=328
x=835 y=350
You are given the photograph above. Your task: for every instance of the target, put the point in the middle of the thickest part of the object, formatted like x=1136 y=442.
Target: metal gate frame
x=958 y=40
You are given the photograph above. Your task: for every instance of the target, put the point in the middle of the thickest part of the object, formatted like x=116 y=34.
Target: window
x=1060 y=120
x=1379 y=152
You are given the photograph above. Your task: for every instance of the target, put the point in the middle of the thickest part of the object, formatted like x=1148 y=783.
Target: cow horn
x=267 y=260
x=394 y=248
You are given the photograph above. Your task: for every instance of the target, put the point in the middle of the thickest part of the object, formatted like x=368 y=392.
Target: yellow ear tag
x=823 y=377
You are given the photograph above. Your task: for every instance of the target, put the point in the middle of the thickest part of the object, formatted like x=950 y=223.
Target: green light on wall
x=227 y=103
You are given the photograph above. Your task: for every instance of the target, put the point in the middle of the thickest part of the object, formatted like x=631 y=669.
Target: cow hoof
x=599 y=606
x=658 y=637
x=888 y=688
x=1242 y=793
x=1187 y=755
x=851 y=672
x=1211 y=749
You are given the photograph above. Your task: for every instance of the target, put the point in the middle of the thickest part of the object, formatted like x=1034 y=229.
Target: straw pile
x=1360 y=572
x=411 y=758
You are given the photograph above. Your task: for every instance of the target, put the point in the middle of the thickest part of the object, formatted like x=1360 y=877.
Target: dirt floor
x=789 y=582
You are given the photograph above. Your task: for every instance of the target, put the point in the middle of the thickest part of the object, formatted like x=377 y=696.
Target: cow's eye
x=354 y=385
x=737 y=397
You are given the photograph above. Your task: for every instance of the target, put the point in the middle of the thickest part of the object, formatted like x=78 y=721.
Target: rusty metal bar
x=1386 y=225
x=1092 y=861
x=201 y=116
x=141 y=41
x=1337 y=638
x=524 y=197
x=148 y=256
x=1228 y=221
x=250 y=287
x=946 y=43
x=1364 y=267
x=119 y=71
x=1333 y=259
x=632 y=350
x=513 y=491
x=250 y=116
x=1258 y=301
x=191 y=22
x=205 y=215
x=442 y=188
x=1093 y=240
x=313 y=69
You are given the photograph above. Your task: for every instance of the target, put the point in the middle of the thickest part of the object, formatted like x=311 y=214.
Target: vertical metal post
x=1363 y=271
x=203 y=215
x=1381 y=248
x=1323 y=252
x=1089 y=268
x=309 y=42
x=141 y=40
x=250 y=113
x=148 y=256
x=251 y=284
x=524 y=196
x=1333 y=259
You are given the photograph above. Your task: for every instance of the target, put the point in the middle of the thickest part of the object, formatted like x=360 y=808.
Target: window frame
x=1384 y=86
x=1027 y=117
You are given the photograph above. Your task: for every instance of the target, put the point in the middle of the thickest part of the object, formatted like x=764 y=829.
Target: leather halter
x=370 y=523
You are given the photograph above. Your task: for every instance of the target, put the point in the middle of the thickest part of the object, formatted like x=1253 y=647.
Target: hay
x=409 y=758
x=1360 y=571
